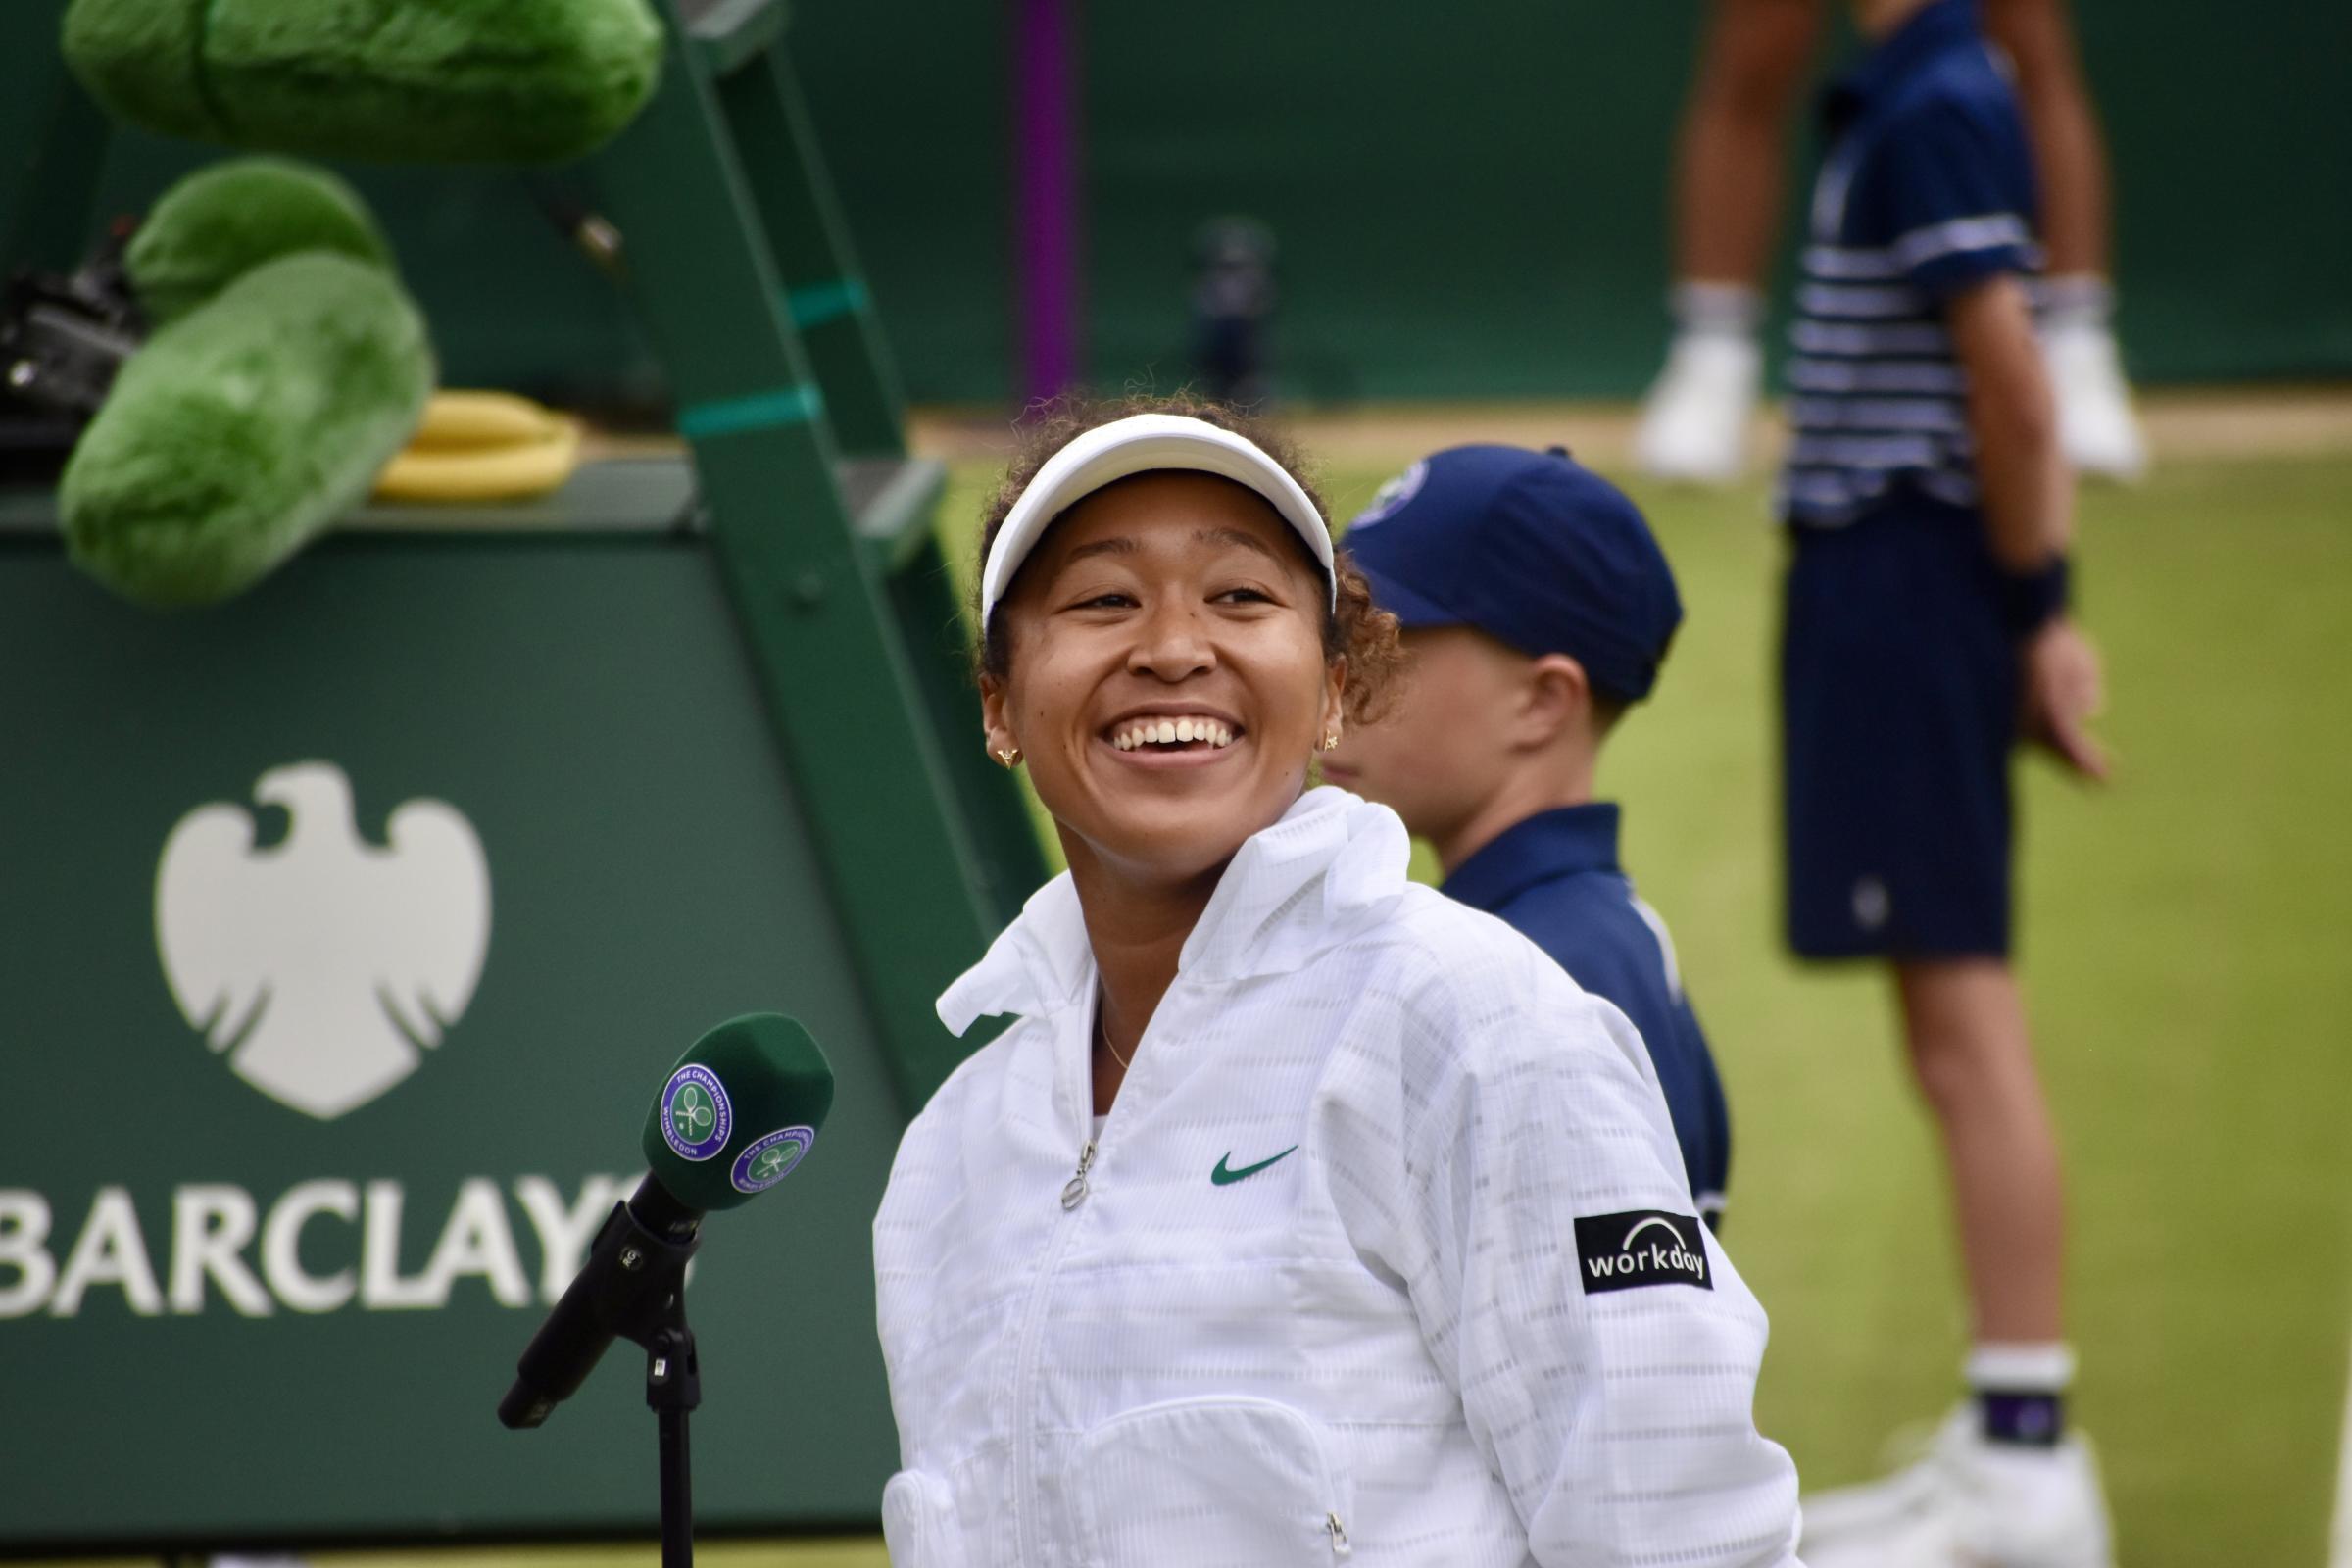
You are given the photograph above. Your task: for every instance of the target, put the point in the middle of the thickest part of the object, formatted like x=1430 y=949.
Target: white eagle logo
x=322 y=964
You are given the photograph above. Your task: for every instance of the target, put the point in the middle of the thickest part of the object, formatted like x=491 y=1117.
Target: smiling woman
x=1283 y=1225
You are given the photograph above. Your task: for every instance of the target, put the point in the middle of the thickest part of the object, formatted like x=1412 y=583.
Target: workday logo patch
x=1646 y=1247
x=695 y=1117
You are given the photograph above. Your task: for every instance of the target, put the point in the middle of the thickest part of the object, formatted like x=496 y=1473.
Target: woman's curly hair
x=1356 y=628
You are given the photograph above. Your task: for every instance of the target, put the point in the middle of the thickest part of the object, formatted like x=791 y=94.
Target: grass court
x=2183 y=937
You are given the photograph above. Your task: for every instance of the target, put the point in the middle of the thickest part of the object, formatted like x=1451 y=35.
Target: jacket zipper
x=1073 y=1191
x=1073 y=1194
x=1024 y=1381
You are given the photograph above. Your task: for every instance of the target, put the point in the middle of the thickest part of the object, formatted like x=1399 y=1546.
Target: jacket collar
x=1292 y=890
x=1556 y=843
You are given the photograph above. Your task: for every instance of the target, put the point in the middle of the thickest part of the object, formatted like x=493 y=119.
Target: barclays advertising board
x=347 y=932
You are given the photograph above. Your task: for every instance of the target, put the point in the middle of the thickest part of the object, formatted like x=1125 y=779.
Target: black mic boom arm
x=630 y=1286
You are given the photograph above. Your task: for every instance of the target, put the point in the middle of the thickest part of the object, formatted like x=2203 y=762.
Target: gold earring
x=1011 y=756
x=1331 y=742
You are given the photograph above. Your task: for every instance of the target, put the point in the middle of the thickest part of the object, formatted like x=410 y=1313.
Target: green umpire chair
x=349 y=926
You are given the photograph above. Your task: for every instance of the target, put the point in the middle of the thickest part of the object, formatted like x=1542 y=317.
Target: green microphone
x=737 y=1115
x=738 y=1112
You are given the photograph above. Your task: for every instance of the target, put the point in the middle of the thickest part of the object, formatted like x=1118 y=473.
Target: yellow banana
x=510 y=473
x=466 y=420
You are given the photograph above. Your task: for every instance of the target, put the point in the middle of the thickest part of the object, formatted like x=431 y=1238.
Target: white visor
x=1143 y=443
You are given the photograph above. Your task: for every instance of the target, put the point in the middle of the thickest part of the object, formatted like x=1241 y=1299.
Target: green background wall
x=1469 y=202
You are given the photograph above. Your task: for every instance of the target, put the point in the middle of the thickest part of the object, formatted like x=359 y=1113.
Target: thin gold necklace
x=1102 y=1036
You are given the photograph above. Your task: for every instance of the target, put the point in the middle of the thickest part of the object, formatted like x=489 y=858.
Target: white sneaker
x=1916 y=1540
x=1695 y=420
x=1877 y=1512
x=2097 y=429
x=1968 y=1503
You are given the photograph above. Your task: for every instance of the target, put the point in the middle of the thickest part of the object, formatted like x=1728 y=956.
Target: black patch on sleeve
x=1648 y=1246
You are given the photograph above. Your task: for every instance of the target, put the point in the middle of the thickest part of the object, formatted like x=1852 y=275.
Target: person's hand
x=2064 y=691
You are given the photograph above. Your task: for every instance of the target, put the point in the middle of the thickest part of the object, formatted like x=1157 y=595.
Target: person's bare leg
x=2069 y=153
x=2007 y=1482
x=2097 y=425
x=1729 y=163
x=1732 y=155
x=1965 y=1023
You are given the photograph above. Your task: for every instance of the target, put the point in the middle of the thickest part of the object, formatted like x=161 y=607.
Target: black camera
x=62 y=342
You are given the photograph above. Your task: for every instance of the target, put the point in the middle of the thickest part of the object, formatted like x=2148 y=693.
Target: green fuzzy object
x=223 y=221
x=529 y=82
x=244 y=428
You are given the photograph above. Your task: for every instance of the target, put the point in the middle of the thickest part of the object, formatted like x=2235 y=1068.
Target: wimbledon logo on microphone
x=769 y=1160
x=696 y=1118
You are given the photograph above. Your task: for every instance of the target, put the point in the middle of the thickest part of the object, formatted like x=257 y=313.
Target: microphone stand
x=652 y=1250
x=674 y=1387
x=657 y=1248
x=632 y=1287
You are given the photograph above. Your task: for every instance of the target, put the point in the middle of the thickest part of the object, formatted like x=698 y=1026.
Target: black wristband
x=2032 y=600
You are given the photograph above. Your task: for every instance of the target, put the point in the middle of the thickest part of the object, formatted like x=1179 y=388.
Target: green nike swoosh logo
x=1225 y=1177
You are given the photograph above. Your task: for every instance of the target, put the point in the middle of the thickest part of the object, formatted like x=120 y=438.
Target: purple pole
x=1045 y=178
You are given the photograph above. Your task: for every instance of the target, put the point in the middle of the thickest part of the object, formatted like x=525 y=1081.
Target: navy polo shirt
x=1927 y=188
x=1554 y=878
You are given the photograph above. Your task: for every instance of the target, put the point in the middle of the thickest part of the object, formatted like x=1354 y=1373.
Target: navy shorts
x=1900 y=688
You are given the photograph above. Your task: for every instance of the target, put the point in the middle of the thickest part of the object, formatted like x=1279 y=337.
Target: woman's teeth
x=1170 y=732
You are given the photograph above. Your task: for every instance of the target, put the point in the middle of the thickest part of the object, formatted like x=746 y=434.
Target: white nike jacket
x=1374 y=1260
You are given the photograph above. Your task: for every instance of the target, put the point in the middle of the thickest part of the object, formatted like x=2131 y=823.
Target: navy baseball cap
x=1531 y=547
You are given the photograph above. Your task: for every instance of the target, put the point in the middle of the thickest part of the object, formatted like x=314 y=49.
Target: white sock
x=2083 y=301
x=2021 y=1392
x=1722 y=309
